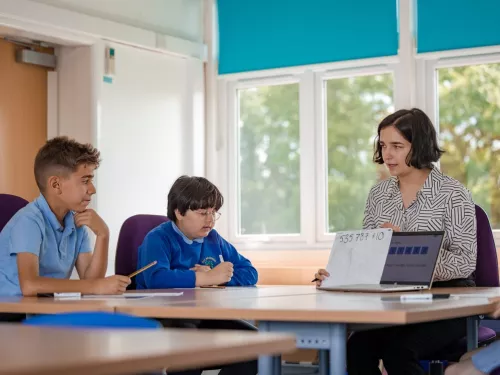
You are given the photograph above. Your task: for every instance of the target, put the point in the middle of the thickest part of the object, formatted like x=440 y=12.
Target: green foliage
x=270 y=160
x=469 y=114
x=355 y=106
x=469 y=122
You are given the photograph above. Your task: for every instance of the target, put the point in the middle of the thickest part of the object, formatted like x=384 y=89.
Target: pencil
x=142 y=269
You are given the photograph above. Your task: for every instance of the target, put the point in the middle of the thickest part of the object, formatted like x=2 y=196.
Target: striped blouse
x=443 y=203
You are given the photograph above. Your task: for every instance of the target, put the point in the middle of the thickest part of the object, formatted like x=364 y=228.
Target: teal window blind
x=454 y=24
x=267 y=34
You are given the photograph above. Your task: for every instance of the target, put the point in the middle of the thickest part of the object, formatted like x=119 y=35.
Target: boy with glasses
x=188 y=249
x=191 y=253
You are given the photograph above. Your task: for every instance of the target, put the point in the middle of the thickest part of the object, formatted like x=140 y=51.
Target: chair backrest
x=487 y=261
x=95 y=320
x=9 y=205
x=132 y=233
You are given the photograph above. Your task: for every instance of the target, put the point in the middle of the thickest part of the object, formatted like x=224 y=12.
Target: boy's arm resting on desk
x=161 y=276
x=32 y=283
x=92 y=265
x=244 y=273
x=26 y=249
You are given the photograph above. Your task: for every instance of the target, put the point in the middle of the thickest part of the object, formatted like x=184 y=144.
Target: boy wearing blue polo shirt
x=44 y=241
x=190 y=253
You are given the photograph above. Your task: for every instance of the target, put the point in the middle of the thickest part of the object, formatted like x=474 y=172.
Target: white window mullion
x=232 y=161
x=308 y=175
x=235 y=88
x=405 y=90
x=321 y=158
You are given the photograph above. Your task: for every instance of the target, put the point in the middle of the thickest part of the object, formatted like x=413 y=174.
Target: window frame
x=322 y=235
x=415 y=85
x=429 y=66
x=312 y=148
x=233 y=161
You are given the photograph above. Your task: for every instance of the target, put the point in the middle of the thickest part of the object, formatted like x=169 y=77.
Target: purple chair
x=9 y=205
x=132 y=233
x=486 y=275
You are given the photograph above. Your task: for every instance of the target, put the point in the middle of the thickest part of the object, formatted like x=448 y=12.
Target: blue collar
x=69 y=221
x=183 y=236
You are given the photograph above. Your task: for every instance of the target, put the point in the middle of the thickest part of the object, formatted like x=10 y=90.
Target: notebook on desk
x=410 y=264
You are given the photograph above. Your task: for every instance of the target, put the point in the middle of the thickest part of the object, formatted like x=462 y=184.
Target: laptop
x=410 y=264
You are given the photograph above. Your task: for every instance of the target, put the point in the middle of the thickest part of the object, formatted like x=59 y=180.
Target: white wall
x=148 y=124
x=147 y=131
x=179 y=18
x=75 y=100
x=168 y=26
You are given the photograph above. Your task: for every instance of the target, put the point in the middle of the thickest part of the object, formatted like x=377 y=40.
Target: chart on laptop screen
x=411 y=258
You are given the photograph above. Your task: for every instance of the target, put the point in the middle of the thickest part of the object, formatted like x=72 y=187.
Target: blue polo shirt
x=35 y=229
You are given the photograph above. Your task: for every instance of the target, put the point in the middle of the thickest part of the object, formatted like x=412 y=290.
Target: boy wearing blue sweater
x=188 y=249
x=190 y=253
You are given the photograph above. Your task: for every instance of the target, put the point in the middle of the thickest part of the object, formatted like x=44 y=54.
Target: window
x=301 y=151
x=469 y=126
x=300 y=142
x=268 y=186
x=354 y=107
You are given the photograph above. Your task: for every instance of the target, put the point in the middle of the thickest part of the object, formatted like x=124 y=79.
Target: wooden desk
x=34 y=305
x=49 y=351
x=493 y=294
x=322 y=306
x=319 y=319
x=229 y=293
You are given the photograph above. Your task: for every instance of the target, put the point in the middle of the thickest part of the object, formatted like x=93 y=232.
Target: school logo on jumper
x=209 y=261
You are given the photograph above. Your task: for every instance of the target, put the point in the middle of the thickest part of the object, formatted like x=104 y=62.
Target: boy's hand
x=320 y=276
x=200 y=268
x=222 y=273
x=91 y=219
x=115 y=284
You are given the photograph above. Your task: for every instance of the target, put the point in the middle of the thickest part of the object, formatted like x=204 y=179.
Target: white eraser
x=68 y=295
x=414 y=297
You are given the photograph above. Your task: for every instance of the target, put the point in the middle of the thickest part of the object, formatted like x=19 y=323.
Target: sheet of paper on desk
x=136 y=295
x=358 y=257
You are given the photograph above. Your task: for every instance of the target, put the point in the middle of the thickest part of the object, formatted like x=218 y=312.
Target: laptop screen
x=412 y=258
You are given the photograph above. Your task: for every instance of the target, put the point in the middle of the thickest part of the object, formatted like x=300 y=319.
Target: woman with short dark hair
x=417 y=197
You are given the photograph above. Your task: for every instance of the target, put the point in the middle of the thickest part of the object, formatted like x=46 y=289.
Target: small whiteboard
x=358 y=257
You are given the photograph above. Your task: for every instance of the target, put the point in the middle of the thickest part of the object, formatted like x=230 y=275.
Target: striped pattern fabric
x=443 y=203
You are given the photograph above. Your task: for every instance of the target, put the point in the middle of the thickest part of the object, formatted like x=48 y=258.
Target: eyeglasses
x=206 y=214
